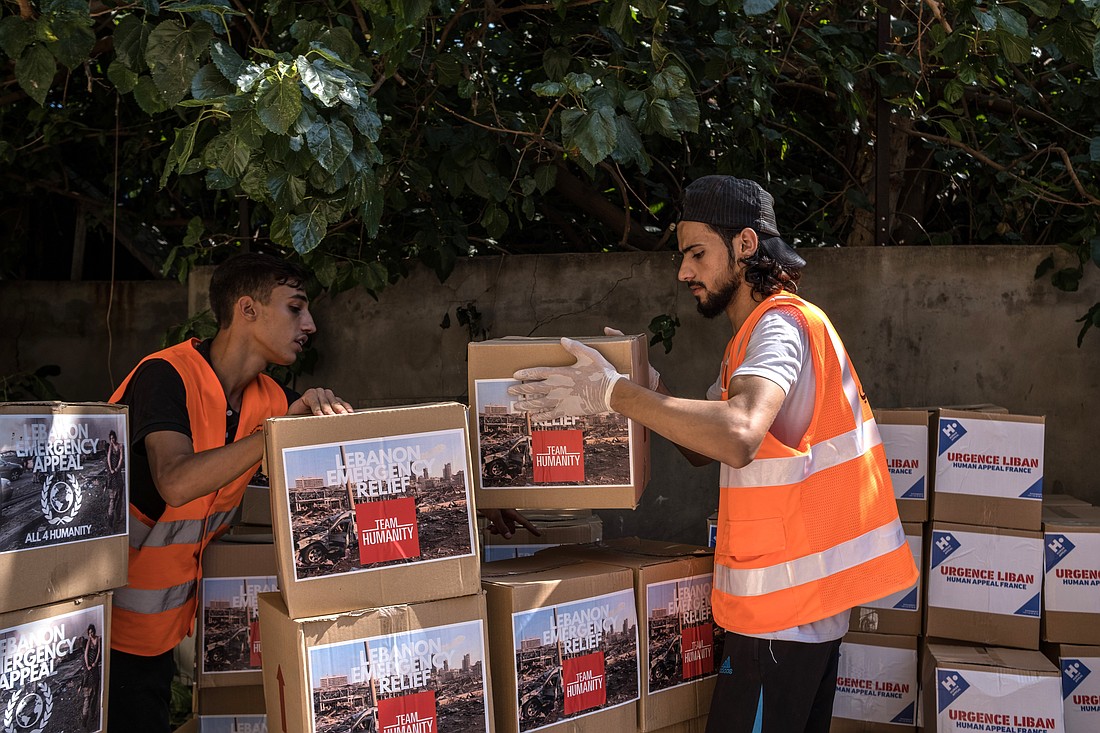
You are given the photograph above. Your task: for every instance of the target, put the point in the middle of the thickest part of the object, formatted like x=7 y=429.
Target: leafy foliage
x=362 y=134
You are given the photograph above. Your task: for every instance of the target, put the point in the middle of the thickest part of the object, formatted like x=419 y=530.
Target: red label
x=585 y=683
x=697 y=650
x=254 y=658
x=557 y=456
x=408 y=714
x=387 y=530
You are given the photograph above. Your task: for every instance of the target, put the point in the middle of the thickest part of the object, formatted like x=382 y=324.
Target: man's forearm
x=181 y=475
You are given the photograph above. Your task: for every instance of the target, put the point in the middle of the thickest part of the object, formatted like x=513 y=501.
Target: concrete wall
x=924 y=326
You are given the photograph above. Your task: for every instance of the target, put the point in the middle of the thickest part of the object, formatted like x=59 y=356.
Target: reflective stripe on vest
x=153 y=601
x=776 y=568
x=178 y=532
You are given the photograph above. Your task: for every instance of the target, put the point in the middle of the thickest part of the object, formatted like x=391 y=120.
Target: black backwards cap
x=736 y=203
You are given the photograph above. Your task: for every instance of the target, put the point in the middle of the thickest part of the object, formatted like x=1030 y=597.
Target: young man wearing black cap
x=808 y=526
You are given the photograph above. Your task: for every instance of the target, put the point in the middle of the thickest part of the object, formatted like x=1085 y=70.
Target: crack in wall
x=540 y=323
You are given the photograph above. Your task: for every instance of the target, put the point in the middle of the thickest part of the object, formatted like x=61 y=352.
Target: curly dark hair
x=764 y=274
x=252 y=273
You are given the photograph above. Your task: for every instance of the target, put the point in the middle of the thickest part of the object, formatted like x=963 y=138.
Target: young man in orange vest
x=196 y=417
x=808 y=526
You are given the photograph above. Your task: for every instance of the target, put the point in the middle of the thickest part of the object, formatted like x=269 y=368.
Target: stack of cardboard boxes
x=379 y=622
x=63 y=546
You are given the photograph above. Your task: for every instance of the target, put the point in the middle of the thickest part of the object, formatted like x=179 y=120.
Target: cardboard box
x=876 y=686
x=1063 y=500
x=255 y=506
x=596 y=462
x=523 y=544
x=225 y=724
x=564 y=645
x=698 y=725
x=989 y=469
x=229 y=651
x=986 y=688
x=45 y=682
x=1071 y=581
x=680 y=641
x=1080 y=667
x=218 y=701
x=905 y=439
x=63 y=522
x=373 y=508
x=415 y=667
x=712 y=530
x=984 y=585
x=899 y=613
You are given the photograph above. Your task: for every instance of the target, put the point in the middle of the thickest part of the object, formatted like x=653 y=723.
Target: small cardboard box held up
x=415 y=667
x=905 y=441
x=523 y=543
x=1071 y=581
x=989 y=688
x=984 y=585
x=1080 y=666
x=372 y=508
x=64 y=501
x=595 y=462
x=901 y=612
x=54 y=666
x=989 y=469
x=234 y=573
x=564 y=644
x=680 y=642
x=876 y=685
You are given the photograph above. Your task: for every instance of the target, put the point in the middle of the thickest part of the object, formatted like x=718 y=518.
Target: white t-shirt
x=779 y=351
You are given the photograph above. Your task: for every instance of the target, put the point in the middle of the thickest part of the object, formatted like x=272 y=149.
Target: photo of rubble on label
x=62 y=479
x=683 y=638
x=516 y=452
x=368 y=504
x=51 y=673
x=575 y=658
x=422 y=681
x=231 y=623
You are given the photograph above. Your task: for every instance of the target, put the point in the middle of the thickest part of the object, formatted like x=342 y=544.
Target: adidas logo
x=726 y=667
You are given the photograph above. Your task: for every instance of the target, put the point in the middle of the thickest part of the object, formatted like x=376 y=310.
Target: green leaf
x=326 y=272
x=130 y=37
x=579 y=83
x=1043 y=8
x=148 y=97
x=248 y=126
x=594 y=134
x=555 y=62
x=180 y=152
x=194 y=232
x=448 y=70
x=495 y=221
x=953 y=91
x=629 y=147
x=1044 y=267
x=1067 y=279
x=172 y=54
x=371 y=210
x=323 y=83
x=307 y=231
x=35 y=71
x=15 y=34
x=758 y=7
x=226 y=58
x=366 y=120
x=280 y=104
x=209 y=83
x=1011 y=21
x=545 y=176
x=685 y=111
x=218 y=180
x=548 y=89
x=1016 y=49
x=229 y=153
x=668 y=83
x=330 y=143
x=121 y=76
x=73 y=38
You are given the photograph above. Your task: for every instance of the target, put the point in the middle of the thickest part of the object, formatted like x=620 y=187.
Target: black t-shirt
x=158 y=401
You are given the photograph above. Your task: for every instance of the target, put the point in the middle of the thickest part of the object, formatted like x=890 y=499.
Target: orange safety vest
x=808 y=532
x=156 y=609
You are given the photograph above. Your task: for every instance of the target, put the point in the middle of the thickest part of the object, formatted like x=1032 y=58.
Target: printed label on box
x=369 y=504
x=568 y=451
x=232 y=724
x=1081 y=693
x=64 y=477
x=230 y=633
x=969 y=700
x=1072 y=572
x=51 y=673
x=988 y=573
x=906 y=449
x=990 y=458
x=877 y=684
x=908 y=599
x=405 y=682
x=683 y=637
x=556 y=650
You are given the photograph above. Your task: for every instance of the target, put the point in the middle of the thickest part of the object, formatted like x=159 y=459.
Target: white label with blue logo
x=908 y=599
x=876 y=684
x=968 y=700
x=1081 y=693
x=991 y=573
x=985 y=457
x=906 y=449
x=1072 y=580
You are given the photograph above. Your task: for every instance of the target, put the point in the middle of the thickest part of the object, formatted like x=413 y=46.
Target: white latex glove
x=654 y=375
x=581 y=389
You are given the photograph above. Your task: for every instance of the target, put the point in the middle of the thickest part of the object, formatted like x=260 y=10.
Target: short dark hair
x=112 y=434
x=255 y=274
x=764 y=274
